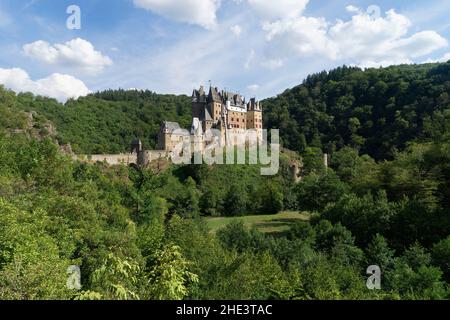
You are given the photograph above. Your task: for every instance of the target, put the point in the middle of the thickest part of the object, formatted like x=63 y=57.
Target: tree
x=272 y=199
x=441 y=256
x=31 y=267
x=364 y=217
x=116 y=279
x=235 y=236
x=151 y=227
x=236 y=201
x=378 y=253
x=169 y=276
x=315 y=192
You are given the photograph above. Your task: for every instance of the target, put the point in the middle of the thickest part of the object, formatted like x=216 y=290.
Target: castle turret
x=254 y=117
x=136 y=146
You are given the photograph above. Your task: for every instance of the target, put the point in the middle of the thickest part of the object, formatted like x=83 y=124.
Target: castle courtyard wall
x=111 y=159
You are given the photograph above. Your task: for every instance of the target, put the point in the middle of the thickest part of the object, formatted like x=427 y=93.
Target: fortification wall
x=149 y=156
x=111 y=159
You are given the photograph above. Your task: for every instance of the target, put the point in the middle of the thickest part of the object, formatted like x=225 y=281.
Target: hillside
x=375 y=111
x=104 y=122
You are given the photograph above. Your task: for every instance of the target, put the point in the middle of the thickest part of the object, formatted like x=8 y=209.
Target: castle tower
x=198 y=103
x=215 y=103
x=295 y=170
x=136 y=146
x=228 y=112
x=254 y=117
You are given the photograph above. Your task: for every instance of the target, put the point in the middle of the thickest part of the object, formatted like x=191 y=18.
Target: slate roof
x=171 y=126
x=214 y=95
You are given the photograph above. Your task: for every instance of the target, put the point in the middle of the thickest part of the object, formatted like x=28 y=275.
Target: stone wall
x=149 y=156
x=111 y=159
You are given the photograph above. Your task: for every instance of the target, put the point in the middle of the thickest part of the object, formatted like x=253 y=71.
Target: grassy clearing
x=269 y=224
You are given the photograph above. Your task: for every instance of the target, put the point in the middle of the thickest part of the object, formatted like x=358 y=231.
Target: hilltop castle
x=223 y=111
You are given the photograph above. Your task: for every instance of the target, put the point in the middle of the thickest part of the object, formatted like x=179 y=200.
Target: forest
x=143 y=234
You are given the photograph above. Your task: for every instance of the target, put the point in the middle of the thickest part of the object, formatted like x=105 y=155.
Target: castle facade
x=225 y=112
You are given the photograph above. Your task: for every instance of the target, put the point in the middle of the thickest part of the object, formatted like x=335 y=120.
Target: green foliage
x=315 y=192
x=365 y=217
x=116 y=279
x=375 y=111
x=31 y=265
x=379 y=253
x=236 y=237
x=441 y=256
x=105 y=122
x=170 y=275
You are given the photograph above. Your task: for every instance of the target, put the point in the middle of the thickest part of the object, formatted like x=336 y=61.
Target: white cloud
x=253 y=87
x=279 y=9
x=352 y=9
x=58 y=86
x=300 y=36
x=77 y=53
x=199 y=12
x=236 y=30
x=365 y=39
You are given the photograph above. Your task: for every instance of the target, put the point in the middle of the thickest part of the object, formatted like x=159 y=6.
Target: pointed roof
x=214 y=95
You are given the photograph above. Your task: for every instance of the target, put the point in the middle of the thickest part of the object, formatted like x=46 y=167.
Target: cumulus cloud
x=365 y=39
x=253 y=87
x=78 y=54
x=301 y=36
x=280 y=9
x=199 y=12
x=58 y=86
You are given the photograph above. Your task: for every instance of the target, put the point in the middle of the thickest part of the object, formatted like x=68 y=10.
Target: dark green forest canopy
x=375 y=111
x=108 y=121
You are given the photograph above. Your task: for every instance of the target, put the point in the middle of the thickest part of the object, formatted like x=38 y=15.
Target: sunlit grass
x=269 y=224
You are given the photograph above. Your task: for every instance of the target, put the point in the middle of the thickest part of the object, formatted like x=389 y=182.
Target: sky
x=258 y=48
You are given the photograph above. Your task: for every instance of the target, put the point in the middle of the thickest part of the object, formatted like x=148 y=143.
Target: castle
x=225 y=112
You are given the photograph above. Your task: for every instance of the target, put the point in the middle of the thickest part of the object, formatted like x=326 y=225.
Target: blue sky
x=255 y=47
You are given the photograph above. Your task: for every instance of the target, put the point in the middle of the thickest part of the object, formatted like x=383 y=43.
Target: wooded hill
x=375 y=111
